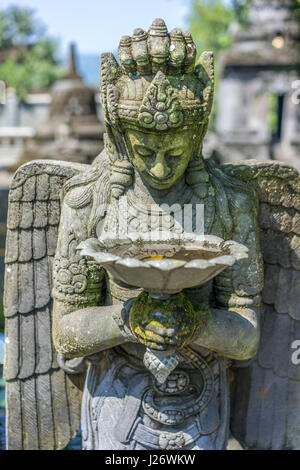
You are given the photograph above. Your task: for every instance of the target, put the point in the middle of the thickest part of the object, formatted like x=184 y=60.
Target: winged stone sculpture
x=69 y=324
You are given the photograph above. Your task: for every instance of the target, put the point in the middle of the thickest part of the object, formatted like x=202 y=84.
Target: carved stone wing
x=43 y=406
x=266 y=394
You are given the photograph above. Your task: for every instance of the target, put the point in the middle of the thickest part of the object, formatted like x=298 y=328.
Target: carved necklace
x=142 y=217
x=138 y=210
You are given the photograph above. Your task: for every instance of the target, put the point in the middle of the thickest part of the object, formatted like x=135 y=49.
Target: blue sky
x=97 y=25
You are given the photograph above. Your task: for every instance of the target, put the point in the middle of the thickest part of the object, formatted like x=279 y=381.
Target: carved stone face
x=161 y=158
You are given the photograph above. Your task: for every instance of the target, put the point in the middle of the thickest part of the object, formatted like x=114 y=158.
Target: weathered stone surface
x=263 y=61
x=39 y=244
x=30 y=356
x=157 y=106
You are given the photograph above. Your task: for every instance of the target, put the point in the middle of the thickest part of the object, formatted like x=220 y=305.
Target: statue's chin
x=160 y=183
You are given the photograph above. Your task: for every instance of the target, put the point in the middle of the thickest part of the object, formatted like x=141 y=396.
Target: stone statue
x=156 y=104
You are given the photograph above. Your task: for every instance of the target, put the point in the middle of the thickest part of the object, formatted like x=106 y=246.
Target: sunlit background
x=95 y=26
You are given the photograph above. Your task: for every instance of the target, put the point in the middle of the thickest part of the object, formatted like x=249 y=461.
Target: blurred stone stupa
x=258 y=115
x=73 y=131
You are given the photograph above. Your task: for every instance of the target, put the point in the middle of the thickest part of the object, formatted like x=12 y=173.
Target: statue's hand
x=160 y=337
x=164 y=325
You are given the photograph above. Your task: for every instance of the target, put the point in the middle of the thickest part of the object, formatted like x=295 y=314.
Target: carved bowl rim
x=228 y=253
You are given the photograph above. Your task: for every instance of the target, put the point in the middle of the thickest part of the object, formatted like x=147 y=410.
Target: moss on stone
x=176 y=313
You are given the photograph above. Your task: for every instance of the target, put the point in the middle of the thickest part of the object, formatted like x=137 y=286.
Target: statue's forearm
x=86 y=331
x=230 y=334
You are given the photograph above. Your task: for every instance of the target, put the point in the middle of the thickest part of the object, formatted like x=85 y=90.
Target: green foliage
x=241 y=10
x=29 y=56
x=272 y=112
x=19 y=26
x=296 y=8
x=210 y=22
x=209 y=25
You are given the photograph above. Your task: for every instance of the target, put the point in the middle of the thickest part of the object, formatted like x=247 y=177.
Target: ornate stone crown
x=157 y=86
x=160 y=104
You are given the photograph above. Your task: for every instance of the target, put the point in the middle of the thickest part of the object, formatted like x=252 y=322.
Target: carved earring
x=197 y=177
x=110 y=148
x=121 y=177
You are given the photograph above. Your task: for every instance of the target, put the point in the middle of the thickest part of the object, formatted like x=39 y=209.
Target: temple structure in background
x=73 y=131
x=18 y=121
x=258 y=115
x=62 y=125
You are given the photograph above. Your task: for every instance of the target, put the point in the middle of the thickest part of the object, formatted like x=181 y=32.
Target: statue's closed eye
x=147 y=152
x=176 y=152
x=143 y=151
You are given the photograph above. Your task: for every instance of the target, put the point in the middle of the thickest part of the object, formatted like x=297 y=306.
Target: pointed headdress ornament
x=157 y=85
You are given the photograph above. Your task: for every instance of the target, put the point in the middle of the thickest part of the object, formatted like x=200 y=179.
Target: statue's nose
x=160 y=169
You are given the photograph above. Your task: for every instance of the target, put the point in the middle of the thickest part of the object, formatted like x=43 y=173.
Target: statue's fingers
x=148 y=337
x=139 y=51
x=177 y=51
x=128 y=64
x=158 y=45
x=155 y=346
x=178 y=335
x=161 y=331
x=168 y=332
x=191 y=51
x=173 y=341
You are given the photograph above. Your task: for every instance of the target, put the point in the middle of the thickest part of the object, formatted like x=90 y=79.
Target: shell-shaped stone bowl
x=133 y=263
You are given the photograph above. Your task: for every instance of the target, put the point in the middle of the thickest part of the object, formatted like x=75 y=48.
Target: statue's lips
x=158 y=266
x=160 y=180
